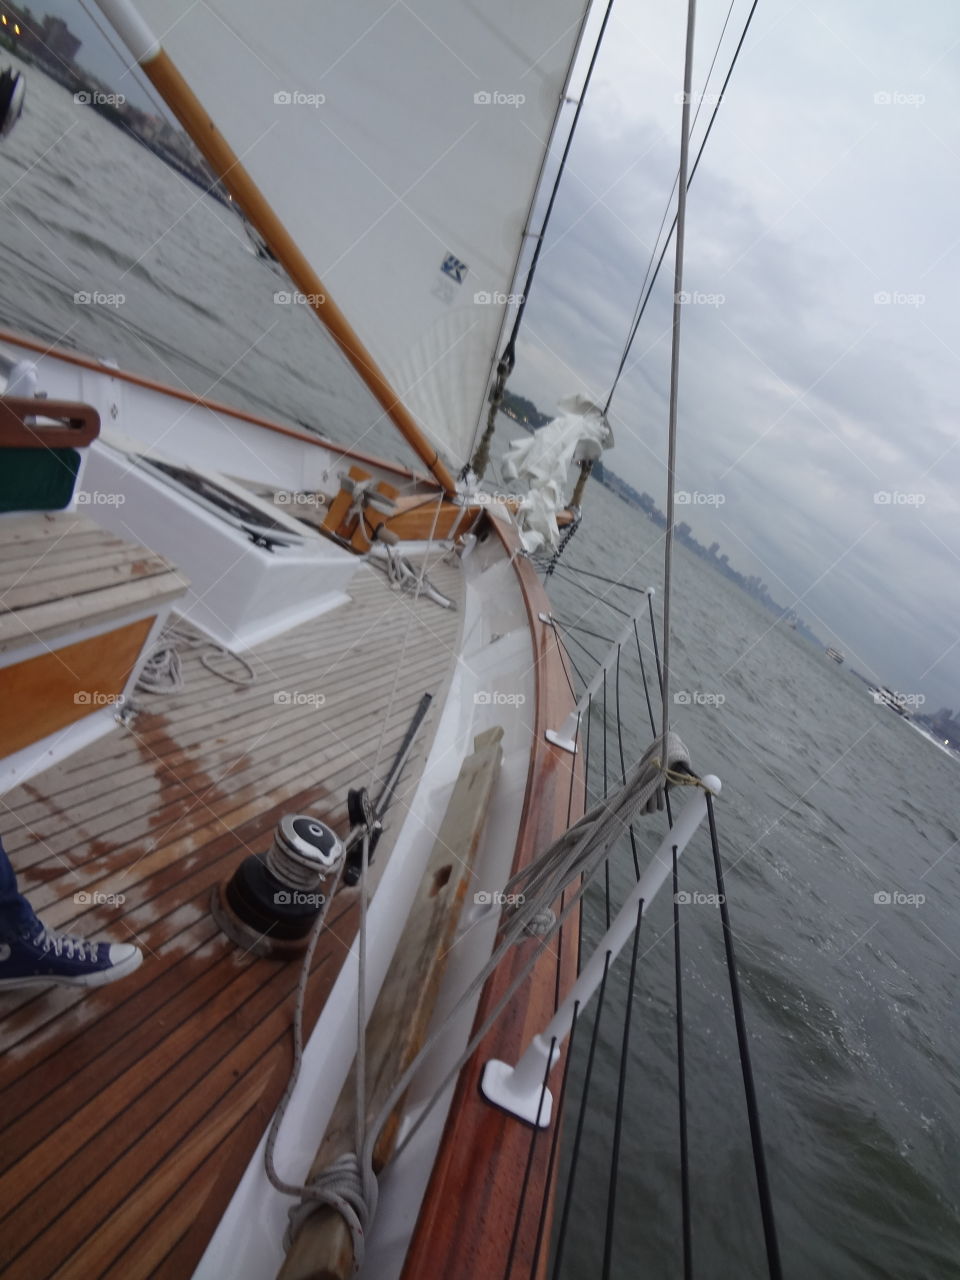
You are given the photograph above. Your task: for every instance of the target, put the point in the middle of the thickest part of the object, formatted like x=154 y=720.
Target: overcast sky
x=831 y=181
x=822 y=366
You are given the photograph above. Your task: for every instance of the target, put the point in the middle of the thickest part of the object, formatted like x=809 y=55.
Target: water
x=827 y=799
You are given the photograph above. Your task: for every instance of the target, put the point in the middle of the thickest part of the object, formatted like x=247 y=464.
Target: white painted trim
x=131 y=28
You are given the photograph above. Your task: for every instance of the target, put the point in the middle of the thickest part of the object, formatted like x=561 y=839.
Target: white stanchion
x=520 y=1089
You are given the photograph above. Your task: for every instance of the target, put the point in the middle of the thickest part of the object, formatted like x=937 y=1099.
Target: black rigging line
x=597 y=635
x=537 y=1131
x=621 y=1091
x=614 y=582
x=753 y=1111
x=646 y=690
x=603 y=599
x=508 y=359
x=646 y=297
x=681 y=1086
x=573 y=692
x=586 y=806
x=593 y=658
x=656 y=646
x=606 y=861
x=581 y=1116
x=565 y=651
x=666 y=210
x=554 y=1148
x=623 y=768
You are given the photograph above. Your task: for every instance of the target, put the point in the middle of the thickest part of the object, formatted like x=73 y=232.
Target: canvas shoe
x=40 y=957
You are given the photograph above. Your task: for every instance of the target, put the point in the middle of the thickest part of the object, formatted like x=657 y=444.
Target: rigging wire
x=675 y=362
x=529 y=1167
x=749 y=1089
x=581 y=1117
x=554 y=1149
x=681 y=1086
x=646 y=688
x=663 y=253
x=602 y=599
x=621 y=1093
x=614 y=582
x=676 y=179
x=597 y=635
x=623 y=767
x=508 y=359
x=593 y=658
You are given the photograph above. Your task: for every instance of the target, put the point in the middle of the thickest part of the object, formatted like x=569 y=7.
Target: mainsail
x=400 y=144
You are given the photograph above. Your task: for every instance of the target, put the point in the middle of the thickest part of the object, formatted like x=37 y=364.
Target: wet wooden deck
x=129 y=1112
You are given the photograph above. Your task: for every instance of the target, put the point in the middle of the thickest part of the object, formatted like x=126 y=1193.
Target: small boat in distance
x=835 y=654
x=897 y=702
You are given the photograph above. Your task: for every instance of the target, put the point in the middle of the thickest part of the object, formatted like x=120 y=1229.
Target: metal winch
x=271 y=902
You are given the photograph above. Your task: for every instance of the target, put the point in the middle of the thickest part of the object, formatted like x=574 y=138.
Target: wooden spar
x=398 y=1026
x=221 y=157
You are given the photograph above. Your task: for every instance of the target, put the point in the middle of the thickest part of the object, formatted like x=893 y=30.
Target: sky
x=819 y=416
x=820 y=356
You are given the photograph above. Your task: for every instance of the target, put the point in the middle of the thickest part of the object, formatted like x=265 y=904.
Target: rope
x=348 y=1184
x=345 y=1185
x=163 y=671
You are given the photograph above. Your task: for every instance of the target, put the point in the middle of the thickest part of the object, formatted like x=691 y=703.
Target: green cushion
x=37 y=479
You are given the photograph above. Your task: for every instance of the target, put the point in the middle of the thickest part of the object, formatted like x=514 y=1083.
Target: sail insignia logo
x=454 y=268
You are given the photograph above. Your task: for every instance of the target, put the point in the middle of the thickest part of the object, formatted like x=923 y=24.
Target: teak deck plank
x=128 y=1109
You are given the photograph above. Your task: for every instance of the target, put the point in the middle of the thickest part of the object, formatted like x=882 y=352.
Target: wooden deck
x=129 y=1112
x=61 y=570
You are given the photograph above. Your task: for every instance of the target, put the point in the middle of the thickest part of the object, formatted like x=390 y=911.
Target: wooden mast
x=166 y=78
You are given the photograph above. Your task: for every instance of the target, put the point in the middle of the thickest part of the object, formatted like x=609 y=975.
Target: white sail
x=401 y=145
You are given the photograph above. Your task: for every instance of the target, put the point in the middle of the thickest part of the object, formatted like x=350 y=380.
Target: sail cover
x=400 y=142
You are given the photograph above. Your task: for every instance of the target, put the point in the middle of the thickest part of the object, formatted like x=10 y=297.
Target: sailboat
x=296 y=718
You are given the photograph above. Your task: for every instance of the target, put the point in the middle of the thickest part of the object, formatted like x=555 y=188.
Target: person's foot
x=41 y=957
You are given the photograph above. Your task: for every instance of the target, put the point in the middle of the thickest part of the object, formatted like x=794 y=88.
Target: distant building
x=49 y=39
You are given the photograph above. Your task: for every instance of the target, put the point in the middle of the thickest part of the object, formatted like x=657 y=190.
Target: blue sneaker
x=41 y=957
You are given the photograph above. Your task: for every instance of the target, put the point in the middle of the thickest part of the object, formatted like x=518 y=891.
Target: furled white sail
x=400 y=142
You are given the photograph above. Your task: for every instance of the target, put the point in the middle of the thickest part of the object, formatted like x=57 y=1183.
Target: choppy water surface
x=827 y=799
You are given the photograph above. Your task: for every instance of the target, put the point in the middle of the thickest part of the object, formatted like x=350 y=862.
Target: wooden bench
x=78 y=609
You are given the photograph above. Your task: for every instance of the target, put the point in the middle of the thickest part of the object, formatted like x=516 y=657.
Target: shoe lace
x=76 y=948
